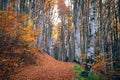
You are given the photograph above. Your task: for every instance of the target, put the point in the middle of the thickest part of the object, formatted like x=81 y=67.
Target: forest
x=59 y=39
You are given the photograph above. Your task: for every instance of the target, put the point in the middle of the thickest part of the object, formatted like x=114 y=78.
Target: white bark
x=91 y=49
x=77 y=33
x=77 y=43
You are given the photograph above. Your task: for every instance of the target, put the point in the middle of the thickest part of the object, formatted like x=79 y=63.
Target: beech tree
x=77 y=7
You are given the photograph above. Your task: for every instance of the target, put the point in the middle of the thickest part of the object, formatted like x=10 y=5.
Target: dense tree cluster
x=85 y=31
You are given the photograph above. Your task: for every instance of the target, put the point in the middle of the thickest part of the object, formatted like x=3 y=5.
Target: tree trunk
x=101 y=29
x=77 y=29
x=91 y=49
x=40 y=41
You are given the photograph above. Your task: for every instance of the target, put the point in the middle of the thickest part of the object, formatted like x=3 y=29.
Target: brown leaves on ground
x=46 y=68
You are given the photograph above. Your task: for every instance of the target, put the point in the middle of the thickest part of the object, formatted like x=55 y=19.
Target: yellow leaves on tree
x=10 y=17
x=49 y=4
x=11 y=24
x=55 y=32
x=97 y=37
x=70 y=18
x=54 y=35
x=16 y=40
x=71 y=27
x=11 y=5
x=62 y=7
x=30 y=22
x=97 y=48
x=16 y=26
x=29 y=34
x=83 y=56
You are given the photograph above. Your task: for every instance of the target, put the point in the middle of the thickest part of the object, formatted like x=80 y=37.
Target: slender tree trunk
x=91 y=49
x=101 y=29
x=77 y=29
x=40 y=41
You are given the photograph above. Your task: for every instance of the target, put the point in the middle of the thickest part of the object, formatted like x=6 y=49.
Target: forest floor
x=47 y=68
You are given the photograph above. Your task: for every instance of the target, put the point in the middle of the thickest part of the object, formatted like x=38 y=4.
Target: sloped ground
x=46 y=69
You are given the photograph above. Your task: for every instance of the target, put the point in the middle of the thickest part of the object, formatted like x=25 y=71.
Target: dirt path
x=48 y=69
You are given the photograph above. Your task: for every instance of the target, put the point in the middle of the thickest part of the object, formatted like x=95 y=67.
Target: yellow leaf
x=83 y=55
x=97 y=37
x=97 y=48
x=70 y=18
x=1 y=11
x=30 y=23
x=10 y=17
x=71 y=27
x=54 y=36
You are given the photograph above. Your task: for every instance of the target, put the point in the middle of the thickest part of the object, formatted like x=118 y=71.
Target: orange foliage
x=16 y=41
x=49 y=4
x=102 y=64
x=15 y=26
x=70 y=18
x=62 y=7
x=71 y=27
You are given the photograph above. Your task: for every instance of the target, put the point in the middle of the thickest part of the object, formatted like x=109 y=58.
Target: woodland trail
x=47 y=69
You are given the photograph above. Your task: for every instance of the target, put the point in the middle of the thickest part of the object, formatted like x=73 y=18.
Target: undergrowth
x=81 y=74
